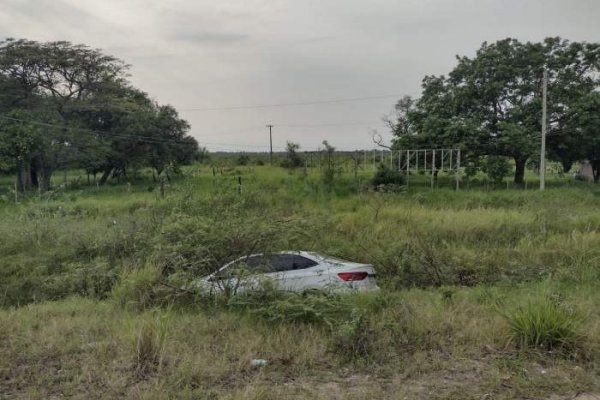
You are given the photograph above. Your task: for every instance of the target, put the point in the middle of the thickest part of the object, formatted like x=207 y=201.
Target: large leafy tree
x=51 y=81
x=68 y=105
x=582 y=128
x=491 y=104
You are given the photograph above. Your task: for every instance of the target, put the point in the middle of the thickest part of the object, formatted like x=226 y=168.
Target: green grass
x=486 y=292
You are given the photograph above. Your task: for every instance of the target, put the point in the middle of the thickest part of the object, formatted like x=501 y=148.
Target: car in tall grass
x=294 y=271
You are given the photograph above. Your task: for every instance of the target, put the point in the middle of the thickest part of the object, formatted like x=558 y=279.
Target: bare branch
x=378 y=140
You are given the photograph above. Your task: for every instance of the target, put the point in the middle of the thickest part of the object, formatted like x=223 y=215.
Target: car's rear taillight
x=353 y=276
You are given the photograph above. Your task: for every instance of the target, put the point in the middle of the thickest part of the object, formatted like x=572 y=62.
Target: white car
x=295 y=271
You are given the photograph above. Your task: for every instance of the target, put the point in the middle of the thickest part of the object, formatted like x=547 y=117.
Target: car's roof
x=309 y=254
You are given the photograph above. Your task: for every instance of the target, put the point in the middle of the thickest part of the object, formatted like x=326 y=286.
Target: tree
x=52 y=80
x=491 y=104
x=329 y=171
x=80 y=111
x=292 y=159
x=496 y=168
x=583 y=129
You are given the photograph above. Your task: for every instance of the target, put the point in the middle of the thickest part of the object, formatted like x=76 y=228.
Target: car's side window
x=303 y=262
x=255 y=262
x=251 y=264
x=291 y=262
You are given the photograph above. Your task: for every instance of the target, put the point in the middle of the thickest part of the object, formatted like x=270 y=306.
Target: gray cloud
x=214 y=38
x=207 y=54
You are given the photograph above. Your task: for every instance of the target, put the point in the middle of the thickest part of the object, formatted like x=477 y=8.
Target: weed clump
x=386 y=178
x=135 y=289
x=148 y=339
x=544 y=323
x=272 y=306
x=380 y=330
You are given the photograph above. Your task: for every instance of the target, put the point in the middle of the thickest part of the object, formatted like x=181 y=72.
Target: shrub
x=384 y=176
x=496 y=168
x=275 y=307
x=355 y=339
x=543 y=323
x=135 y=290
x=371 y=336
x=243 y=159
x=147 y=339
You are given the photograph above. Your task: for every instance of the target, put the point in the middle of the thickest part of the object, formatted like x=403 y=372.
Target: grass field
x=486 y=293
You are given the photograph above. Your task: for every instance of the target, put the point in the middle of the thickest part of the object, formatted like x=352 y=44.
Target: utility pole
x=271 y=143
x=543 y=150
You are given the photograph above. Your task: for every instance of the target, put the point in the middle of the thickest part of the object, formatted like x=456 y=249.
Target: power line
x=103 y=133
x=294 y=104
x=326 y=124
x=128 y=136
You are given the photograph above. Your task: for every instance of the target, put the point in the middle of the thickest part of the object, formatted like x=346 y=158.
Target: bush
x=497 y=168
x=544 y=324
x=243 y=159
x=135 y=290
x=374 y=334
x=384 y=176
x=273 y=306
x=355 y=340
x=147 y=340
x=292 y=159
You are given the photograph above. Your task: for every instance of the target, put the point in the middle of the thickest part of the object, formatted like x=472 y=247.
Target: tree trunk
x=596 y=170
x=520 y=170
x=105 y=176
x=567 y=165
x=34 y=177
x=46 y=175
x=21 y=185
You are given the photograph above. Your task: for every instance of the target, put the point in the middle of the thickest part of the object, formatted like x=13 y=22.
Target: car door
x=294 y=272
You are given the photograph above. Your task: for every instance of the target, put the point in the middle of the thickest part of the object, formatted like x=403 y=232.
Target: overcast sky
x=219 y=53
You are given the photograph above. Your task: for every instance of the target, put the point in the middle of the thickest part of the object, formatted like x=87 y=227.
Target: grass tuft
x=544 y=323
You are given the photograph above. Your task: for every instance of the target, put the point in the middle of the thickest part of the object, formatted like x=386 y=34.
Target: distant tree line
x=491 y=105
x=69 y=106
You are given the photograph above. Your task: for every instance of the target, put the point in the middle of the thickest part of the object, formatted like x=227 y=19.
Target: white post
x=457 y=169
x=432 y=169
x=417 y=161
x=543 y=150
x=407 y=166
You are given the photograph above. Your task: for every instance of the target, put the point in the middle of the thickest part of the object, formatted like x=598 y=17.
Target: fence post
x=457 y=169
x=417 y=162
x=432 y=169
x=407 y=166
